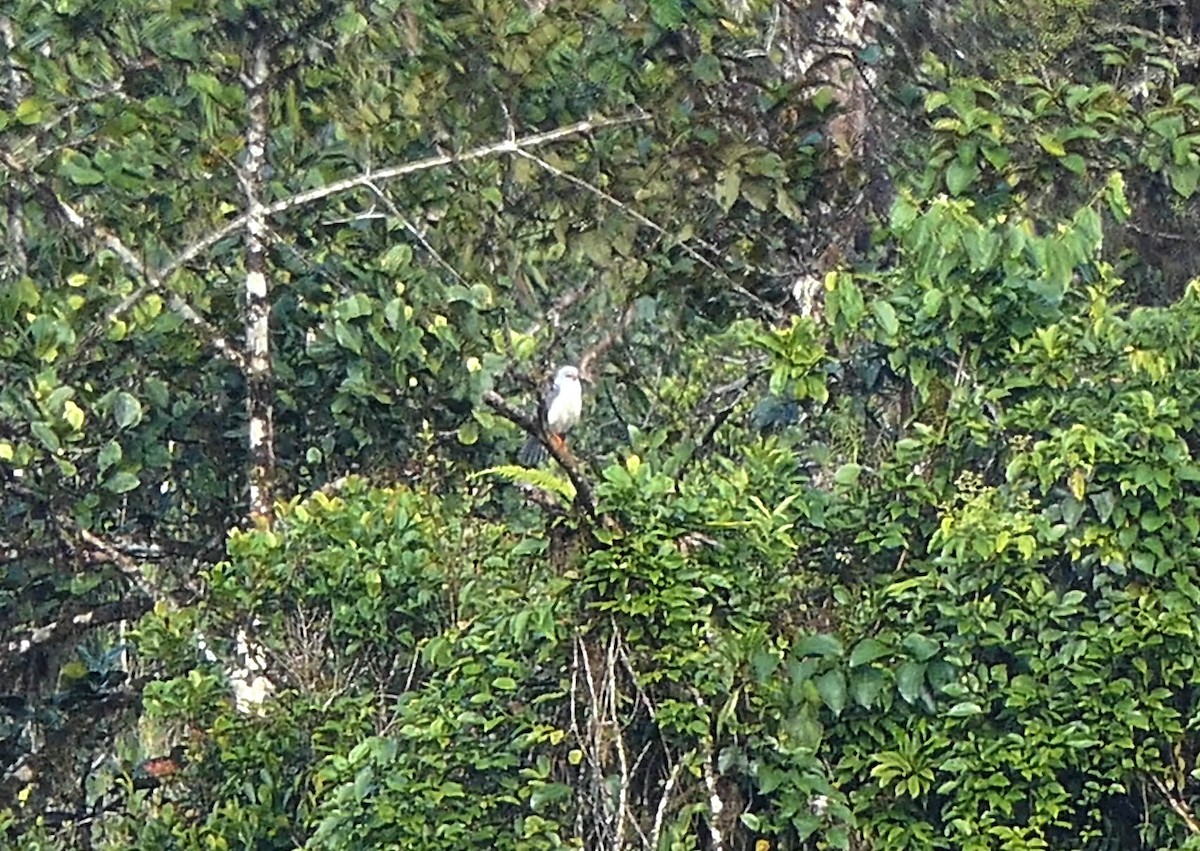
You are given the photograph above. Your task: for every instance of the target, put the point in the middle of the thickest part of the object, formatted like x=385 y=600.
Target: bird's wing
x=544 y=401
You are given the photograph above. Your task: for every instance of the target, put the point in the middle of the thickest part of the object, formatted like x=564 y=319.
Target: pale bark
x=259 y=407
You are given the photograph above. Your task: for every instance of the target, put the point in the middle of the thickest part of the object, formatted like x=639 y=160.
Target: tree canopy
x=880 y=527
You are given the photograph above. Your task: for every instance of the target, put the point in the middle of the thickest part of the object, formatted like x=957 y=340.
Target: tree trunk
x=258 y=306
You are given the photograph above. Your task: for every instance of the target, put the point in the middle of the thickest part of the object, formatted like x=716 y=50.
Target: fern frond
x=532 y=477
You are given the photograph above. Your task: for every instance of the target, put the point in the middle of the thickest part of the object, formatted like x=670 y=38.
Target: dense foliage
x=877 y=533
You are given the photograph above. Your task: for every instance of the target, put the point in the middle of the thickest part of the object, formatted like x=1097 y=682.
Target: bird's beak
x=585 y=379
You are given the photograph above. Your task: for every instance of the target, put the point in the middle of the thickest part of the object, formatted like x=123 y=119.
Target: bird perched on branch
x=560 y=408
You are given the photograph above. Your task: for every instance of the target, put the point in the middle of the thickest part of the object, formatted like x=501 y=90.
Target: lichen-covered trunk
x=258 y=306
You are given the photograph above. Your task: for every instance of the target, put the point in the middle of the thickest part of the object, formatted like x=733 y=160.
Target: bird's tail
x=532 y=453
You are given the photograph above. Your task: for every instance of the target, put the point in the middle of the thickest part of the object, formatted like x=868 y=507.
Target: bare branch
x=664 y=802
x=507 y=146
x=416 y=232
x=1178 y=806
x=151 y=279
x=716 y=804
x=94 y=617
x=102 y=550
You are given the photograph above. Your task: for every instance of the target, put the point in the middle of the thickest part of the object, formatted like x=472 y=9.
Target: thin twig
x=642 y=219
x=417 y=234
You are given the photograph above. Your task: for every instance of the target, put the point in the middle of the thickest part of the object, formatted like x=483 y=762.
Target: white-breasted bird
x=560 y=408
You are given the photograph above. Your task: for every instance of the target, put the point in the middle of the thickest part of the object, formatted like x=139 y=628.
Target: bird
x=560 y=408
x=151 y=773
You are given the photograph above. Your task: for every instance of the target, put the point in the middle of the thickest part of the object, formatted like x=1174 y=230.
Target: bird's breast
x=565 y=409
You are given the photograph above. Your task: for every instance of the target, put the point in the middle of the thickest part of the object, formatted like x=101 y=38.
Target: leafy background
x=879 y=532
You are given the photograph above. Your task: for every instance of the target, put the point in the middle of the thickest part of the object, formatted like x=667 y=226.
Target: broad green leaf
x=868 y=650
x=44 y=433
x=109 y=454
x=548 y=793
x=1074 y=163
x=960 y=175
x=866 y=685
x=1051 y=145
x=1184 y=178
x=910 y=678
x=847 y=474
x=127 y=410
x=964 y=710
x=831 y=686
x=73 y=415
x=920 y=647
x=32 y=110
x=885 y=315
x=121 y=482
x=820 y=644
x=78 y=169
x=668 y=14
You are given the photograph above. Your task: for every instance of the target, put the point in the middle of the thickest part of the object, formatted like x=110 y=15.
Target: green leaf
x=348 y=336
x=728 y=188
x=32 y=111
x=127 y=410
x=960 y=175
x=1074 y=163
x=885 y=315
x=44 y=433
x=122 y=482
x=964 y=710
x=78 y=169
x=548 y=793
x=824 y=98
x=910 y=677
x=866 y=684
x=109 y=454
x=820 y=644
x=543 y=479
x=468 y=433
x=920 y=647
x=868 y=650
x=1104 y=503
x=73 y=415
x=668 y=14
x=763 y=663
x=847 y=474
x=831 y=686
x=1051 y=145
x=998 y=156
x=1184 y=178
x=752 y=821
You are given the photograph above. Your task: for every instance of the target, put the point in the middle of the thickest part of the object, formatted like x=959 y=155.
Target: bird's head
x=568 y=374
